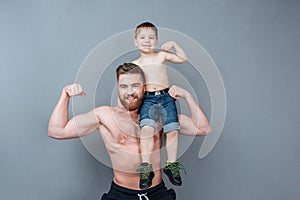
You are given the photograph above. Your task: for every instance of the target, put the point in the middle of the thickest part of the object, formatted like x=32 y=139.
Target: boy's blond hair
x=145 y=25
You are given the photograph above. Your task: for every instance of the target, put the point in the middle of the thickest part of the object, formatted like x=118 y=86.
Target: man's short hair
x=130 y=68
x=145 y=25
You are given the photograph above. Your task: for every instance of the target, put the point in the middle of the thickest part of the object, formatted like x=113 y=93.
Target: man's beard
x=131 y=105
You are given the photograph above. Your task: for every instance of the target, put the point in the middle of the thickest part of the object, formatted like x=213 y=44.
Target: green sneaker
x=172 y=171
x=146 y=175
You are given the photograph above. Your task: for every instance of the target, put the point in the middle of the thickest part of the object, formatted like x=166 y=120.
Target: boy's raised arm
x=60 y=127
x=178 y=57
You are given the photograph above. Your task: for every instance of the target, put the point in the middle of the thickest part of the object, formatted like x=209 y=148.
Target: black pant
x=159 y=192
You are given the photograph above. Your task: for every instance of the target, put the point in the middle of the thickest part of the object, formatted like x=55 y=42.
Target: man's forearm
x=197 y=115
x=59 y=116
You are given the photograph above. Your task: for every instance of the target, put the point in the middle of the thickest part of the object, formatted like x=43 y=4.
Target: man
x=120 y=132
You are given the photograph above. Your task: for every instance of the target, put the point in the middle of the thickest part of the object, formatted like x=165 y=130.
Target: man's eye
x=122 y=86
x=136 y=85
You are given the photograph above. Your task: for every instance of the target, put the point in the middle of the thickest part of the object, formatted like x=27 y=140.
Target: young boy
x=158 y=104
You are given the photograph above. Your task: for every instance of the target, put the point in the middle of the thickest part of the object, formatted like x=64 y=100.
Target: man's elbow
x=54 y=134
x=204 y=131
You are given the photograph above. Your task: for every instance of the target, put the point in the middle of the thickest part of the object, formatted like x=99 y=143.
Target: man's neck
x=134 y=114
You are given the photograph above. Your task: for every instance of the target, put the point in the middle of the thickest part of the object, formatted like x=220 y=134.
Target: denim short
x=161 y=106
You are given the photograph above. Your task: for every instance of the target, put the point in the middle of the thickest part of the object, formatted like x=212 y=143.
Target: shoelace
x=175 y=167
x=145 y=171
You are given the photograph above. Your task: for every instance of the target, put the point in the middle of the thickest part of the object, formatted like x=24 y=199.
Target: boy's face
x=146 y=40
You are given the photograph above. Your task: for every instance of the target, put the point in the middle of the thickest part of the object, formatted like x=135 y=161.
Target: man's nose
x=130 y=90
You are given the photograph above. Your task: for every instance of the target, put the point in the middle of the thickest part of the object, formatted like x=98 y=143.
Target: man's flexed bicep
x=60 y=127
x=197 y=123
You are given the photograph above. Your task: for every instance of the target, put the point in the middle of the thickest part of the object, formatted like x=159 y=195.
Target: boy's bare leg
x=145 y=168
x=146 y=143
x=172 y=166
x=172 y=145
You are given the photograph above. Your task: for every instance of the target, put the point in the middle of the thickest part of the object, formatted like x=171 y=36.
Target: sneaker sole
x=174 y=183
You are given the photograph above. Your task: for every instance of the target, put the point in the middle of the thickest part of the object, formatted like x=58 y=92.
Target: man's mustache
x=131 y=95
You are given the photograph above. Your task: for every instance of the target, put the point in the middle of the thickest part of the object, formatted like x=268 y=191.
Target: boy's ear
x=135 y=42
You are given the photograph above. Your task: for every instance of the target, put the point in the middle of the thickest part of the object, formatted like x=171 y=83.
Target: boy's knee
x=147 y=131
x=172 y=134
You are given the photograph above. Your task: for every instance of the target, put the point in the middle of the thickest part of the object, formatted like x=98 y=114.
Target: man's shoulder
x=104 y=114
x=102 y=110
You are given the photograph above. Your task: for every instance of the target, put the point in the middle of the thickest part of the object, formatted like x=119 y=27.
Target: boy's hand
x=168 y=46
x=176 y=92
x=74 y=90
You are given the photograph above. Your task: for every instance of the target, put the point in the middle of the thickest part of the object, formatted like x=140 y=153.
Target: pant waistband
x=135 y=192
x=159 y=92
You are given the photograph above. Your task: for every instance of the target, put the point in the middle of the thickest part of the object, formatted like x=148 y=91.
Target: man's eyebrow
x=137 y=83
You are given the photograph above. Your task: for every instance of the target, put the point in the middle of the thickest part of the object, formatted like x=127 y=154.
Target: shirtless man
x=120 y=132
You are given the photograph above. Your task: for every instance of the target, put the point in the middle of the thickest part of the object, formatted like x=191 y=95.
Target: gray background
x=255 y=44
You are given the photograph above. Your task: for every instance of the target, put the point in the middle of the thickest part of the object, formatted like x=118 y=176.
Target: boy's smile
x=146 y=40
